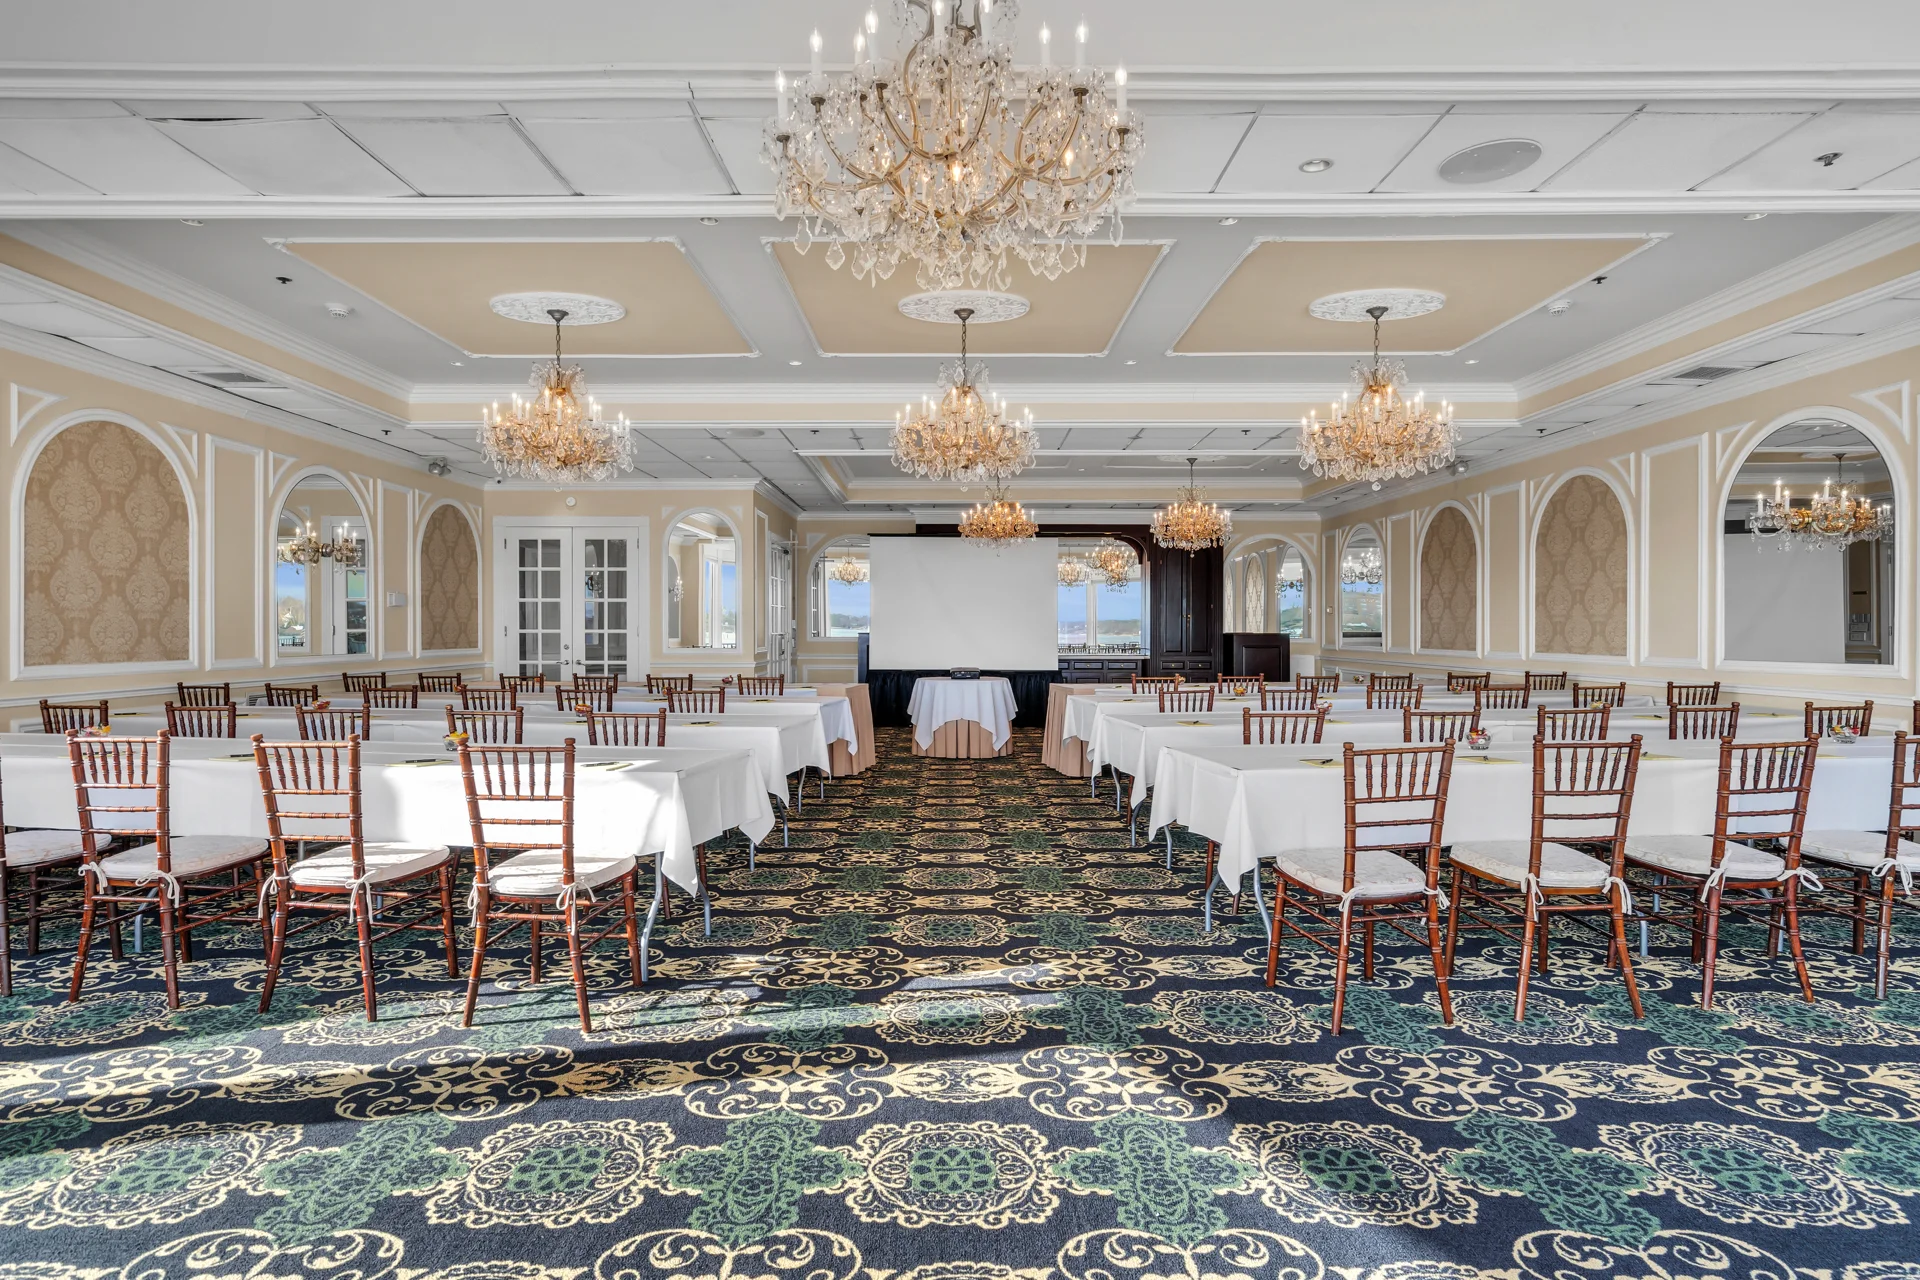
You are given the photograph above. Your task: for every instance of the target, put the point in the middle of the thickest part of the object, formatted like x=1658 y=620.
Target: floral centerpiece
x=456 y=740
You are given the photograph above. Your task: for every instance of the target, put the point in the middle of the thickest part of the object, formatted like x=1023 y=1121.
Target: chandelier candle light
x=950 y=156
x=1074 y=572
x=1191 y=523
x=852 y=572
x=998 y=521
x=1829 y=522
x=1363 y=566
x=1379 y=434
x=558 y=436
x=1115 y=562
x=307 y=549
x=965 y=435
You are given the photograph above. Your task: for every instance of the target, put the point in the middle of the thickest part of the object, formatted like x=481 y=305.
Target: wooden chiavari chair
x=1437 y=726
x=204 y=695
x=58 y=717
x=1154 y=684
x=1583 y=791
x=609 y=683
x=1607 y=695
x=1458 y=682
x=520 y=803
x=203 y=721
x=1288 y=699
x=29 y=855
x=1544 y=681
x=1200 y=699
x=1382 y=681
x=1822 y=721
x=762 y=686
x=391 y=698
x=1710 y=723
x=1269 y=728
x=697 y=701
x=1692 y=695
x=1366 y=882
x=489 y=728
x=1240 y=686
x=1761 y=795
x=627 y=728
x=1396 y=698
x=662 y=684
x=361 y=683
x=292 y=695
x=185 y=880
x=1322 y=686
x=334 y=724
x=430 y=682
x=323 y=780
x=522 y=684
x=488 y=699
x=595 y=697
x=1914 y=724
x=1502 y=697
x=1871 y=862
x=1580 y=724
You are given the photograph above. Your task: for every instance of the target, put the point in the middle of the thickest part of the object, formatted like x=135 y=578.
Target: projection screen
x=948 y=602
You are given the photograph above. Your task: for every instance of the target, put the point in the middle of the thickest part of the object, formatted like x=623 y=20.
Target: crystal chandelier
x=1363 y=565
x=559 y=436
x=998 y=521
x=1829 y=521
x=1074 y=572
x=1191 y=523
x=850 y=571
x=965 y=434
x=1381 y=434
x=1115 y=562
x=306 y=548
x=946 y=155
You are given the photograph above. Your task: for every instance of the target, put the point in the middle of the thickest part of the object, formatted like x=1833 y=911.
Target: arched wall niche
x=1581 y=557
x=1362 y=570
x=449 y=581
x=1449 y=583
x=701 y=582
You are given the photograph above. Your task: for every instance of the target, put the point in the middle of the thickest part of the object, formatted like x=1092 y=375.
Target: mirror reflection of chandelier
x=1378 y=434
x=1363 y=564
x=998 y=521
x=558 y=436
x=1115 y=562
x=1074 y=572
x=1829 y=521
x=964 y=435
x=1191 y=523
x=948 y=156
x=307 y=548
x=850 y=571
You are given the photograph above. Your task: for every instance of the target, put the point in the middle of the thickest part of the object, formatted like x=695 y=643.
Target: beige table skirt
x=1069 y=758
x=963 y=740
x=843 y=761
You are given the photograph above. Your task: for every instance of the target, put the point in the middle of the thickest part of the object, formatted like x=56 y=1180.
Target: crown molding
x=887 y=395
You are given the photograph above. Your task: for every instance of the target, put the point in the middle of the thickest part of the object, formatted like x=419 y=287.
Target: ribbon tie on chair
x=570 y=894
x=1530 y=885
x=1347 y=898
x=270 y=888
x=1626 y=894
x=1893 y=866
x=356 y=890
x=1806 y=878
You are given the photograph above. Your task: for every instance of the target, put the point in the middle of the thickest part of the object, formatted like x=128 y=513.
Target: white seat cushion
x=1691 y=855
x=1863 y=849
x=536 y=873
x=1376 y=873
x=192 y=856
x=39 y=848
x=1560 y=866
x=386 y=863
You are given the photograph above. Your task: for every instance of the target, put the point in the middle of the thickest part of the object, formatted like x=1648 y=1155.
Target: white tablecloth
x=938 y=700
x=639 y=801
x=1258 y=801
x=834 y=714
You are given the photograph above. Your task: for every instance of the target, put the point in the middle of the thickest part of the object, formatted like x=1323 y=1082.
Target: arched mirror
x=840 y=596
x=1363 y=574
x=321 y=583
x=1807 y=550
x=1101 y=597
x=1267 y=589
x=702 y=583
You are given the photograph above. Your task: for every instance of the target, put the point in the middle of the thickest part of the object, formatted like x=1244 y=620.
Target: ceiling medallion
x=538 y=308
x=1379 y=434
x=964 y=435
x=558 y=436
x=1356 y=305
x=998 y=521
x=1191 y=523
x=941 y=306
x=944 y=153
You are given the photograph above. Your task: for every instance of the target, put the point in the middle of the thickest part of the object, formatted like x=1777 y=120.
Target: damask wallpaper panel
x=1449 y=569
x=106 y=552
x=449 y=583
x=1580 y=572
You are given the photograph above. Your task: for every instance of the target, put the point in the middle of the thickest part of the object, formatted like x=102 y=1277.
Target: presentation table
x=964 y=719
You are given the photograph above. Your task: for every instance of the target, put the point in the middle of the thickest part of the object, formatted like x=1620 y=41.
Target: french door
x=780 y=607
x=575 y=602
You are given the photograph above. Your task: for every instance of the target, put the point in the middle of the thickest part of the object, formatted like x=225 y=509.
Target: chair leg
x=6 y=933
x=276 y=947
x=1709 y=947
x=628 y=905
x=1626 y=960
x=534 y=929
x=1340 y=969
x=579 y=966
x=364 y=926
x=479 y=957
x=170 y=947
x=1439 y=964
x=1366 y=951
x=1861 y=885
x=87 y=908
x=1453 y=916
x=1279 y=921
x=33 y=911
x=1526 y=963
x=1885 y=943
x=446 y=921
x=1793 y=941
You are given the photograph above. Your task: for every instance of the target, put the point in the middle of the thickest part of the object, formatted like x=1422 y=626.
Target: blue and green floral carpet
x=960 y=1031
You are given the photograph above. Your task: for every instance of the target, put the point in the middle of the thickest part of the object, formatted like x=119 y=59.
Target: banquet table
x=962 y=718
x=1058 y=751
x=859 y=753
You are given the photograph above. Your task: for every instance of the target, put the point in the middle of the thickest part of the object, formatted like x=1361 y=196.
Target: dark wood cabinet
x=1256 y=653
x=1184 y=589
x=1097 y=670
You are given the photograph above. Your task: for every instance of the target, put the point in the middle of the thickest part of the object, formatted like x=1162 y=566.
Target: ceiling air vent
x=1705 y=373
x=231 y=378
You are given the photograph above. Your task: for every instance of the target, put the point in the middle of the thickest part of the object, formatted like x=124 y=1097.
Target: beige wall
x=1449 y=583
x=1580 y=572
x=449 y=582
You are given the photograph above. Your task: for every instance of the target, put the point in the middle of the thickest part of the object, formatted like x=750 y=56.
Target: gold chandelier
x=1191 y=523
x=1074 y=572
x=559 y=436
x=1828 y=521
x=998 y=521
x=965 y=434
x=850 y=571
x=1114 y=561
x=949 y=156
x=1380 y=434
x=307 y=548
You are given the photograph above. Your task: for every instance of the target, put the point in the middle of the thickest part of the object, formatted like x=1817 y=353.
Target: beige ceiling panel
x=445 y=286
x=1262 y=307
x=1078 y=314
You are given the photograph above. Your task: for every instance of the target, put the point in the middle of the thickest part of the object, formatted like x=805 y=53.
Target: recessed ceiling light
x=709 y=222
x=1475 y=360
x=459 y=364
x=1315 y=166
x=193 y=222
x=1560 y=306
x=1133 y=362
x=1228 y=222
x=1753 y=217
x=794 y=363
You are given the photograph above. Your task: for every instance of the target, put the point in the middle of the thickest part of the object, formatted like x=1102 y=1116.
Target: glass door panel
x=541 y=603
x=605 y=597
x=573 y=602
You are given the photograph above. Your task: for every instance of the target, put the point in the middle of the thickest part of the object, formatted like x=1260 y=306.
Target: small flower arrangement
x=101 y=730
x=1478 y=740
x=1843 y=733
x=726 y=679
x=321 y=705
x=456 y=740
x=582 y=709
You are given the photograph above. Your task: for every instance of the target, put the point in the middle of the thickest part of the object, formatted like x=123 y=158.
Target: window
x=290 y=606
x=1097 y=616
x=702 y=583
x=1290 y=595
x=1362 y=593
x=1267 y=591
x=840 y=596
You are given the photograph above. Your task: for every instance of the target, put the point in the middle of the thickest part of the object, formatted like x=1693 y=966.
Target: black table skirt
x=891 y=691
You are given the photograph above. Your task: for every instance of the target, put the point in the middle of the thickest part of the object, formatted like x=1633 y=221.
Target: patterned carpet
x=959 y=1030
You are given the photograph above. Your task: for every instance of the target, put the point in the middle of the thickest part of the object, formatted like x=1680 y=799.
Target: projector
x=964 y=673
